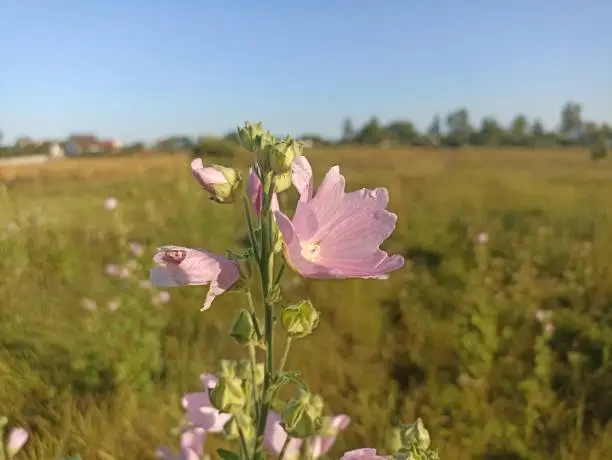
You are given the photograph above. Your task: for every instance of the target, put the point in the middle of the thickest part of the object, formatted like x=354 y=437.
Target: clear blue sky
x=141 y=69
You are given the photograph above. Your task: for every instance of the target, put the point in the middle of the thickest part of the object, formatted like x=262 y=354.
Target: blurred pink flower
x=255 y=191
x=482 y=237
x=161 y=298
x=110 y=203
x=200 y=411
x=275 y=436
x=362 y=454
x=124 y=272
x=192 y=446
x=112 y=270
x=113 y=305
x=90 y=304
x=17 y=438
x=180 y=266
x=335 y=234
x=145 y=284
x=136 y=249
x=320 y=444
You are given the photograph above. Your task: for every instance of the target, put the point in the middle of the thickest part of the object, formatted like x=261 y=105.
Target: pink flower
x=208 y=176
x=16 y=440
x=162 y=297
x=192 y=446
x=319 y=445
x=110 y=203
x=199 y=409
x=180 y=266
x=255 y=190
x=112 y=270
x=275 y=436
x=362 y=454
x=335 y=234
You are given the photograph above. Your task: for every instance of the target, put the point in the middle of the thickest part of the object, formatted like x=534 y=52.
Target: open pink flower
x=255 y=190
x=362 y=454
x=192 y=446
x=180 y=266
x=319 y=445
x=199 y=410
x=275 y=436
x=335 y=234
x=17 y=438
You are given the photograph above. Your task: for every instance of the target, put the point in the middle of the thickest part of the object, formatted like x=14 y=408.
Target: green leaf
x=293 y=376
x=227 y=455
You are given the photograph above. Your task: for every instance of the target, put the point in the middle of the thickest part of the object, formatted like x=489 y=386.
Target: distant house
x=80 y=144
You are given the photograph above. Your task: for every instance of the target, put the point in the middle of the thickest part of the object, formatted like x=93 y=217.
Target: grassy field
x=458 y=337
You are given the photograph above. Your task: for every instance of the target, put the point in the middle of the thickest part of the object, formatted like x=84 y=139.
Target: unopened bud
x=415 y=434
x=228 y=395
x=302 y=417
x=223 y=184
x=254 y=137
x=300 y=319
x=282 y=181
x=243 y=330
x=282 y=154
x=231 y=430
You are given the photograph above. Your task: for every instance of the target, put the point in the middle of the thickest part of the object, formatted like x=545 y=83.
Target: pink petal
x=16 y=440
x=165 y=453
x=192 y=441
x=180 y=266
x=362 y=454
x=255 y=191
x=302 y=177
x=320 y=445
x=275 y=436
x=206 y=176
x=200 y=412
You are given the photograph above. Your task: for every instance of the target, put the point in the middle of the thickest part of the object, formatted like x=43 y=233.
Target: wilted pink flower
x=161 y=298
x=275 y=436
x=16 y=440
x=199 y=409
x=110 y=203
x=112 y=270
x=362 y=454
x=192 y=446
x=255 y=190
x=206 y=176
x=180 y=266
x=336 y=234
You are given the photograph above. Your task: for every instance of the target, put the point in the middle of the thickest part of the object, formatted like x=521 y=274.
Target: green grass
x=450 y=338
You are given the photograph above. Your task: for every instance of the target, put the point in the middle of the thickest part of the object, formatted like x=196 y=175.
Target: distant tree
x=600 y=147
x=348 y=131
x=434 y=131
x=372 y=133
x=518 y=133
x=571 y=127
x=490 y=133
x=459 y=128
x=1 y=137
x=403 y=132
x=232 y=137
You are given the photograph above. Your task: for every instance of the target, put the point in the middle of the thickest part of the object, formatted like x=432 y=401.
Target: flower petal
x=275 y=436
x=320 y=445
x=192 y=442
x=302 y=177
x=206 y=176
x=16 y=440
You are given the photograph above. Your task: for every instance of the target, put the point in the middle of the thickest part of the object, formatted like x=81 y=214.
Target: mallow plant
x=332 y=234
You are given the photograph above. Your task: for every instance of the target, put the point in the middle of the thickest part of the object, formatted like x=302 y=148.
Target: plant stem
x=284 y=448
x=252 y=240
x=281 y=368
x=243 y=443
x=253 y=314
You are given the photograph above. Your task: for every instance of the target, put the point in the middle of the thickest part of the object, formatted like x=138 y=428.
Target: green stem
x=253 y=314
x=247 y=212
x=253 y=359
x=243 y=443
x=281 y=368
x=284 y=448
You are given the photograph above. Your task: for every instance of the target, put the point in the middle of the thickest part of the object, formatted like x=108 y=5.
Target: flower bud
x=300 y=319
x=302 y=417
x=242 y=370
x=244 y=421
x=415 y=434
x=277 y=238
x=228 y=395
x=254 y=137
x=243 y=330
x=223 y=184
x=282 y=153
x=282 y=181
